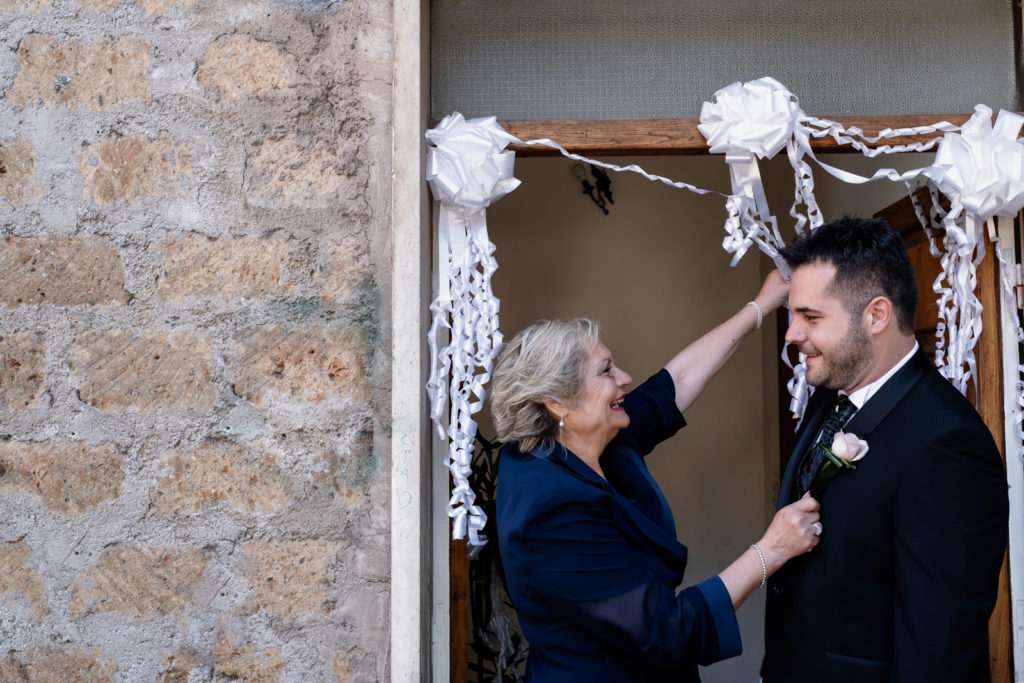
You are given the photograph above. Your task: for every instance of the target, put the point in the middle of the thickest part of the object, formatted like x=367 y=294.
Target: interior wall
x=653 y=272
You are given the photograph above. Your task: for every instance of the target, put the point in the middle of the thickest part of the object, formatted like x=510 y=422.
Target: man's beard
x=841 y=366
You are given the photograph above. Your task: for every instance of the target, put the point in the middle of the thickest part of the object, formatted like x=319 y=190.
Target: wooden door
x=986 y=393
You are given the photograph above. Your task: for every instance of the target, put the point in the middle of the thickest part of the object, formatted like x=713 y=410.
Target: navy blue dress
x=592 y=565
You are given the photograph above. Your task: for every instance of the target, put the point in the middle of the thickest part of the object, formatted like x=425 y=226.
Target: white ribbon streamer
x=755 y=120
x=981 y=170
x=467 y=170
x=746 y=122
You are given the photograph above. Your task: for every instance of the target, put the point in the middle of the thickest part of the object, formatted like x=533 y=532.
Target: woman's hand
x=792 y=532
x=773 y=292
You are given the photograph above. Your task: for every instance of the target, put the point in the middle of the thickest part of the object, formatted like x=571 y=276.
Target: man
x=901 y=587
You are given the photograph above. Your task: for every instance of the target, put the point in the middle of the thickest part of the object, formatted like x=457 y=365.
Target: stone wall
x=194 y=259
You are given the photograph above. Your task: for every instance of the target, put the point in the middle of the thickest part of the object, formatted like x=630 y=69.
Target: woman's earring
x=561 y=421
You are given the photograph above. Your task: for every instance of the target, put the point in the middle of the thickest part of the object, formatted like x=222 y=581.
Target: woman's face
x=598 y=408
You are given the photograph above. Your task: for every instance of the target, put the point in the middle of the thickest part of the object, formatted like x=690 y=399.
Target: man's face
x=838 y=348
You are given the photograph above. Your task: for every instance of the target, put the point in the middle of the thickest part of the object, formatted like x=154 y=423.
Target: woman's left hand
x=793 y=531
x=773 y=292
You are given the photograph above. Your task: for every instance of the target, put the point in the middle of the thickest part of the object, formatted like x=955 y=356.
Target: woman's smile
x=598 y=415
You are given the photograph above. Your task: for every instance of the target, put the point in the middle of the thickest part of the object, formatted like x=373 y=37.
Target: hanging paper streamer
x=467 y=170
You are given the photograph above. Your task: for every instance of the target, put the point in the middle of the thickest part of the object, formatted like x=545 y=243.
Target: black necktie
x=841 y=412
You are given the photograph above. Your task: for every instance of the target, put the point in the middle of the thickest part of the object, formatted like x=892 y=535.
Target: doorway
x=654 y=273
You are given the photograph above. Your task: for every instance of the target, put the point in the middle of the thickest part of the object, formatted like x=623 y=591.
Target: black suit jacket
x=901 y=586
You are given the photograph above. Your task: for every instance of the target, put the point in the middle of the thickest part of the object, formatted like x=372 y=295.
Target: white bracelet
x=760 y=313
x=764 y=566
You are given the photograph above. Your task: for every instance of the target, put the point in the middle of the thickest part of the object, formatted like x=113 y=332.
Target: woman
x=586 y=536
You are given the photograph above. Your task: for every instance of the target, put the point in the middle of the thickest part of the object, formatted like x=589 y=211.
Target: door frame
x=420 y=604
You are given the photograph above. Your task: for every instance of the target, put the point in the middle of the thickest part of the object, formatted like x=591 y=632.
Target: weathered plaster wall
x=193 y=321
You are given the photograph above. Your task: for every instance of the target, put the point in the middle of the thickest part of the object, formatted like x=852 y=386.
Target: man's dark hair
x=870 y=261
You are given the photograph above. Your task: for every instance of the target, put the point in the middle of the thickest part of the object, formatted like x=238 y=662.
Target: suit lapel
x=863 y=422
x=847 y=492
x=892 y=392
x=817 y=407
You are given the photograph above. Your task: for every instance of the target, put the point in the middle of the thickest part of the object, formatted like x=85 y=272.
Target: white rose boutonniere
x=841 y=456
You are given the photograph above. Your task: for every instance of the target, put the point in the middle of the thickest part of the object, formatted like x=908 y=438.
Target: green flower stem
x=835 y=459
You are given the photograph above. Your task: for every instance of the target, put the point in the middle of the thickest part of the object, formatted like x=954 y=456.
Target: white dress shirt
x=861 y=396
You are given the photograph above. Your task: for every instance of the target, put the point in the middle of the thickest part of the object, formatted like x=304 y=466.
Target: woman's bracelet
x=764 y=565
x=760 y=313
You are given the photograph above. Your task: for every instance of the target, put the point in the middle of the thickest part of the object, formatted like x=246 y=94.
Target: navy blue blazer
x=592 y=565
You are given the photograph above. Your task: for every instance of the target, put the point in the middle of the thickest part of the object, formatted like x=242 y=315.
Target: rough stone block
x=60 y=270
x=68 y=477
x=152 y=7
x=245 y=477
x=158 y=7
x=239 y=65
x=341 y=667
x=138 y=580
x=306 y=170
x=346 y=474
x=17 y=172
x=99 y=77
x=133 y=168
x=47 y=665
x=24 y=5
x=22 y=369
x=327 y=479
x=345 y=273
x=118 y=371
x=224 y=269
x=177 y=666
x=287 y=578
x=308 y=364
x=18 y=576
x=233 y=663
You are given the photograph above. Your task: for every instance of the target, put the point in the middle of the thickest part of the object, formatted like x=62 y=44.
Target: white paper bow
x=468 y=169
x=753 y=118
x=746 y=122
x=467 y=165
x=983 y=165
x=981 y=170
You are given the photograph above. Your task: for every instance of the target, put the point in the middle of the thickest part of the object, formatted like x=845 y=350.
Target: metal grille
x=609 y=59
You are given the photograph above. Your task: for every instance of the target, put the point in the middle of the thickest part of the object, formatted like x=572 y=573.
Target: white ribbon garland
x=755 y=120
x=981 y=170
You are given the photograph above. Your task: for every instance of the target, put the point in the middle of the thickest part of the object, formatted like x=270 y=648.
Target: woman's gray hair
x=542 y=363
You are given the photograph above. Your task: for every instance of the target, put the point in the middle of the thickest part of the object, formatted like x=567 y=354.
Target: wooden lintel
x=680 y=136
